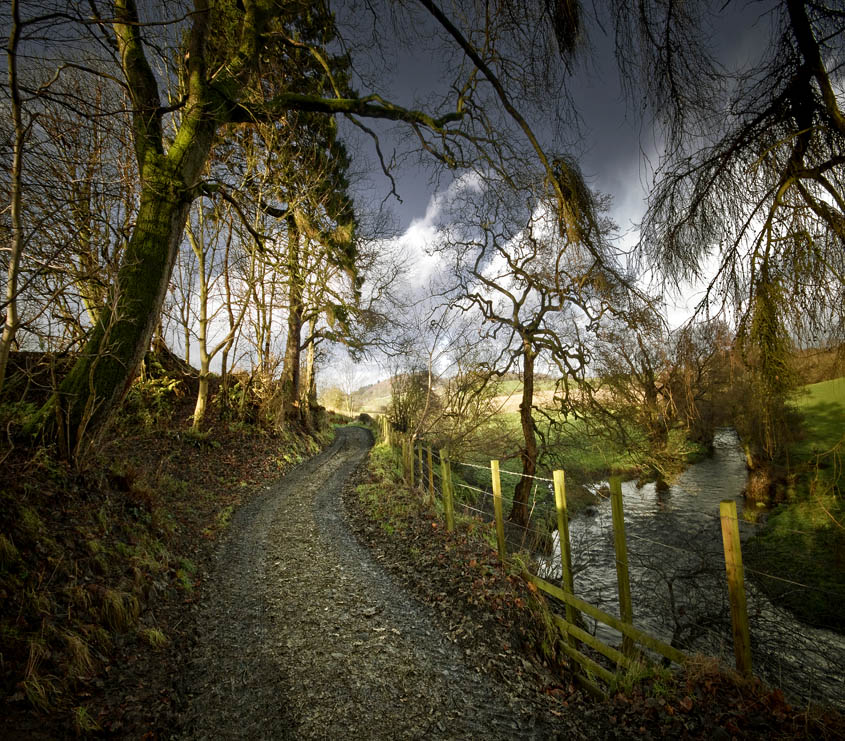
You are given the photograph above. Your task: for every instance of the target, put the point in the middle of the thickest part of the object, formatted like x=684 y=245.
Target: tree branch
x=372 y=106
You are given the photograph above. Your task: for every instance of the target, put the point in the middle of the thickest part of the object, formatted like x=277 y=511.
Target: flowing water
x=678 y=581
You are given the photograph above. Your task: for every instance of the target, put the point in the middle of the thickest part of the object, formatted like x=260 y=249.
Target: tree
x=409 y=394
x=220 y=73
x=321 y=233
x=349 y=382
x=537 y=290
x=228 y=65
x=753 y=172
x=10 y=325
x=652 y=392
x=210 y=268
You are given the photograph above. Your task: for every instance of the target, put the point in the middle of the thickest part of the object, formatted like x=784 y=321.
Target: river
x=678 y=577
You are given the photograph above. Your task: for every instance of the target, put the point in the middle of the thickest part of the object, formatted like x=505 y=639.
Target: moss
x=30 y=522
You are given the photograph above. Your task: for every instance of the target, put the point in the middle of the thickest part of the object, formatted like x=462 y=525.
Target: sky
x=616 y=151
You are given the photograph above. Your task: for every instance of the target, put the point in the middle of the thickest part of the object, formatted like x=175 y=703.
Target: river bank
x=678 y=575
x=803 y=541
x=458 y=575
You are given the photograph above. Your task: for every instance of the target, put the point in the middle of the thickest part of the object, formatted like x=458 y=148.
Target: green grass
x=823 y=408
x=582 y=457
x=574 y=450
x=804 y=540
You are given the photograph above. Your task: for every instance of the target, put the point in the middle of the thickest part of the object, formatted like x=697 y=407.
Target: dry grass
x=119 y=610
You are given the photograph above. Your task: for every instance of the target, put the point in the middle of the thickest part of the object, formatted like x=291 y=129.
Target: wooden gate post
x=736 y=585
x=430 y=473
x=497 y=509
x=446 y=482
x=626 y=611
x=566 y=581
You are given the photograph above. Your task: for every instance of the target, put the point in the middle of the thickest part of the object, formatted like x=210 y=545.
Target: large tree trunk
x=109 y=361
x=520 y=511
x=290 y=370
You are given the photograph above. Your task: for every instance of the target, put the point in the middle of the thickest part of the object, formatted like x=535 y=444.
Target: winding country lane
x=304 y=635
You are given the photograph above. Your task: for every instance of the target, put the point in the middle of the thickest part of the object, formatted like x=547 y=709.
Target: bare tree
x=537 y=290
x=211 y=258
x=10 y=325
x=753 y=173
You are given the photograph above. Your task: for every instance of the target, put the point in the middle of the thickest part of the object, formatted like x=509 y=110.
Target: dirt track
x=303 y=635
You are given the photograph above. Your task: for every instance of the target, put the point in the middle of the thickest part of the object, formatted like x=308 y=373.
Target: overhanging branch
x=373 y=106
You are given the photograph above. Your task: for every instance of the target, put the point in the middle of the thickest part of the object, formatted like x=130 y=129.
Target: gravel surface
x=303 y=635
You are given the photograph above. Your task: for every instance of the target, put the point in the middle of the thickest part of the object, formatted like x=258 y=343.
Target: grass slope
x=804 y=541
x=101 y=565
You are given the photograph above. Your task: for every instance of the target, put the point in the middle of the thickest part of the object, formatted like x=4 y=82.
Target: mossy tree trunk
x=109 y=361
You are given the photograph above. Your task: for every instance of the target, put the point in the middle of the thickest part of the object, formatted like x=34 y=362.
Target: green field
x=583 y=458
x=804 y=540
x=822 y=406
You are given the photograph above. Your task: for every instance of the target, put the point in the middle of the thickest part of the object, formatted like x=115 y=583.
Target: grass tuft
x=8 y=553
x=83 y=723
x=154 y=637
x=38 y=689
x=81 y=664
x=119 y=609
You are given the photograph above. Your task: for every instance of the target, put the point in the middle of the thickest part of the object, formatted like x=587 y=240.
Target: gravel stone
x=302 y=634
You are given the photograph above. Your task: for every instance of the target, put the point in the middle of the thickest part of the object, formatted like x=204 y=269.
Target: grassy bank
x=804 y=540
x=570 y=445
x=101 y=564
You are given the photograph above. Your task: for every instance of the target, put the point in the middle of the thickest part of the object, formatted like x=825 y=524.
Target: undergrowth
x=93 y=557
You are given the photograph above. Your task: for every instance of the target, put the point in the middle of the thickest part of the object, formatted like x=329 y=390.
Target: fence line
x=510 y=473
x=437 y=465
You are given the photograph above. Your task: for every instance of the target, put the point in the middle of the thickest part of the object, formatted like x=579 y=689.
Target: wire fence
x=676 y=566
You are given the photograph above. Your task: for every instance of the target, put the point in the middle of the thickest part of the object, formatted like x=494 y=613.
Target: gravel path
x=303 y=635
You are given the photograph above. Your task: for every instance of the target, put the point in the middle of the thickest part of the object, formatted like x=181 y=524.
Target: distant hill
x=375 y=397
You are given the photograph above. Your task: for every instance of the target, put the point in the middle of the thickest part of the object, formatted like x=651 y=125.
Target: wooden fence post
x=430 y=473
x=446 y=482
x=402 y=457
x=411 y=461
x=497 y=509
x=422 y=470
x=626 y=611
x=736 y=585
x=566 y=580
